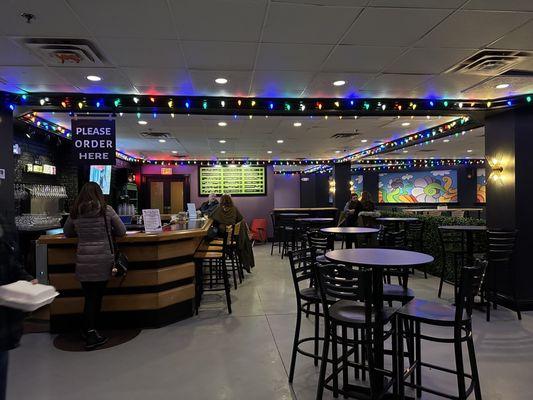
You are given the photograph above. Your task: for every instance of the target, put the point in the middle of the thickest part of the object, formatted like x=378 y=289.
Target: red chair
x=259 y=230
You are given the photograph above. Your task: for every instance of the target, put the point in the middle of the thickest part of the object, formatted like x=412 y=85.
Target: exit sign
x=166 y=171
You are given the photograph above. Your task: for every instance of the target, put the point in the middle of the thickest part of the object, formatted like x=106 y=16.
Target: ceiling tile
x=204 y=83
x=78 y=77
x=403 y=26
x=166 y=90
x=291 y=57
x=30 y=75
x=395 y=85
x=13 y=54
x=487 y=89
x=507 y=5
x=428 y=61
x=222 y=56
x=280 y=83
x=153 y=53
x=450 y=85
x=417 y=3
x=520 y=39
x=290 y=23
x=125 y=18
x=228 y=20
x=45 y=87
x=55 y=20
x=173 y=77
x=347 y=58
x=322 y=84
x=468 y=29
x=329 y=3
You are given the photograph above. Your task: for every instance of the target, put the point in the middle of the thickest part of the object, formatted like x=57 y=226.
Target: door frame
x=166 y=179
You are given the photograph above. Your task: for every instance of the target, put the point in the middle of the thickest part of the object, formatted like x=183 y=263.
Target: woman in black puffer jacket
x=88 y=219
x=10 y=319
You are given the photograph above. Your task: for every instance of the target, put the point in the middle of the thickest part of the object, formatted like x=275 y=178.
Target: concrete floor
x=246 y=355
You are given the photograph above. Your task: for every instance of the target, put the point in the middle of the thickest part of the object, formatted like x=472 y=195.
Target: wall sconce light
x=332 y=186
x=496 y=168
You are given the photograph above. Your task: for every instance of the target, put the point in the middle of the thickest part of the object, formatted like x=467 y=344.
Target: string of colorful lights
x=158 y=104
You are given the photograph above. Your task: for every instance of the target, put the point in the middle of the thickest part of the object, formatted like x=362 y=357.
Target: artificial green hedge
x=431 y=241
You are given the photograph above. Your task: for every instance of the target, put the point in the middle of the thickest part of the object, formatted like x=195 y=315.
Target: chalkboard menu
x=234 y=180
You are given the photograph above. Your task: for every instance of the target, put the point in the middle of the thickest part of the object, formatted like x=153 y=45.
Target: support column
x=7 y=201
x=508 y=141
x=341 y=175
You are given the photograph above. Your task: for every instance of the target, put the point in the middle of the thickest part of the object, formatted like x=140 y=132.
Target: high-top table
x=469 y=231
x=397 y=220
x=349 y=231
x=377 y=260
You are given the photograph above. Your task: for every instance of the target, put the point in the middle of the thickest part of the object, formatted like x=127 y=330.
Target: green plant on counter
x=431 y=240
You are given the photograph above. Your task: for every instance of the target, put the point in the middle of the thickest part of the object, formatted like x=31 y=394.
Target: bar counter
x=158 y=289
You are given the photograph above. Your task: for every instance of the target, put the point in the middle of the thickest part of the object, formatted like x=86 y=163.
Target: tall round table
x=469 y=230
x=397 y=220
x=349 y=231
x=377 y=260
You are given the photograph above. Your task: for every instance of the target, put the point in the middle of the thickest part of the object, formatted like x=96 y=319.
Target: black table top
x=314 y=219
x=377 y=258
x=397 y=219
x=473 y=228
x=349 y=230
x=293 y=215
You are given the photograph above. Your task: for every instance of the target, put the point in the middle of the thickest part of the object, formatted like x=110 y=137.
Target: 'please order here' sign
x=94 y=141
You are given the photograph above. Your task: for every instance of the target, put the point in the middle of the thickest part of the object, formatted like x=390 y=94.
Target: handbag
x=120 y=261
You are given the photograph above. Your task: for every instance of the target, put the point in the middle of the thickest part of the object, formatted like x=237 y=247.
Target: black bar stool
x=452 y=249
x=460 y=319
x=415 y=239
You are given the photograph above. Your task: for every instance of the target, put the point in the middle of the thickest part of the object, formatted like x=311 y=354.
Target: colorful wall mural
x=438 y=186
x=481 y=192
x=356 y=184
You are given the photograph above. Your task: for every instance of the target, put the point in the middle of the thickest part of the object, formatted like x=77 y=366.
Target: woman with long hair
x=226 y=213
x=91 y=220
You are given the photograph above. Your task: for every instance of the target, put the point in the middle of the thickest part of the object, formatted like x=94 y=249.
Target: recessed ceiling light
x=269 y=151
x=162 y=141
x=502 y=86
x=405 y=151
x=364 y=140
x=469 y=151
x=221 y=81
x=174 y=152
x=339 y=83
x=94 y=78
x=337 y=151
x=446 y=140
x=406 y=123
x=141 y=122
x=222 y=123
x=221 y=141
x=297 y=124
x=222 y=151
x=279 y=141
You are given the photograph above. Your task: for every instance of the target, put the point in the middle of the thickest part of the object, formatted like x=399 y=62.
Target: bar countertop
x=304 y=209
x=190 y=229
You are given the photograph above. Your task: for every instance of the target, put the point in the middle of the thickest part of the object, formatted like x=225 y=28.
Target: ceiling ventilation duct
x=490 y=62
x=66 y=52
x=155 y=135
x=346 y=135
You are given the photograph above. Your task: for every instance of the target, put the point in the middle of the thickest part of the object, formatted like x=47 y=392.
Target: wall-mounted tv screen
x=101 y=174
x=234 y=180
x=481 y=192
x=438 y=186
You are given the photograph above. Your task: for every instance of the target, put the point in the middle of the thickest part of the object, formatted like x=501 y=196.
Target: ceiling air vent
x=66 y=52
x=155 y=135
x=490 y=62
x=345 y=135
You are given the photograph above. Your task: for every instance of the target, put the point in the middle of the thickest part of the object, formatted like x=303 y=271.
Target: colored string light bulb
x=302 y=107
x=366 y=105
x=337 y=104
x=97 y=104
x=116 y=102
x=222 y=103
x=152 y=99
x=528 y=99
x=319 y=106
x=204 y=104
x=63 y=104
x=136 y=100
x=187 y=104
x=239 y=102
x=80 y=105
x=170 y=103
x=253 y=103
x=445 y=103
x=41 y=102
x=489 y=103
x=287 y=107
x=271 y=106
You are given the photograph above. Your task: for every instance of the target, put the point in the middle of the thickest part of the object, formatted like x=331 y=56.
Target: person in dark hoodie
x=90 y=220
x=10 y=320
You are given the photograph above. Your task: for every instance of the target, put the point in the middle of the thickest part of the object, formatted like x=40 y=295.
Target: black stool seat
x=397 y=293
x=310 y=294
x=322 y=259
x=352 y=313
x=430 y=312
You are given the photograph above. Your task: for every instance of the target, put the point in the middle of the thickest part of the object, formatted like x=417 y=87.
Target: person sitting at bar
x=91 y=220
x=351 y=210
x=227 y=214
x=367 y=212
x=207 y=207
